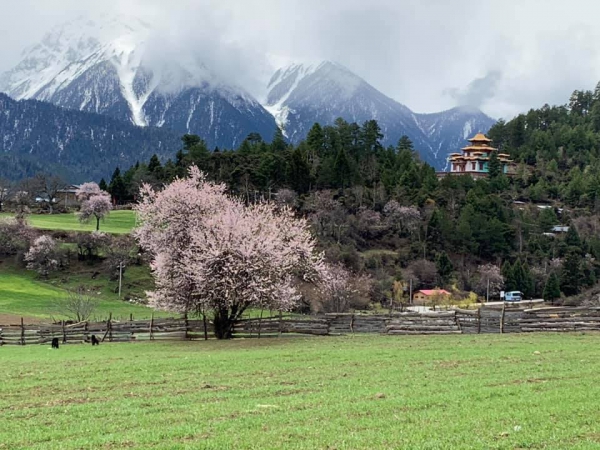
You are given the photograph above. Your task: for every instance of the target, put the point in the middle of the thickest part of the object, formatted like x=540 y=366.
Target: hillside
x=79 y=146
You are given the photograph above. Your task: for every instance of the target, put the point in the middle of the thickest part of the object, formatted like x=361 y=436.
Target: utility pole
x=120 y=277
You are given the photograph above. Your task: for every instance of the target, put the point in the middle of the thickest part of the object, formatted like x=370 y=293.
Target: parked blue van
x=513 y=296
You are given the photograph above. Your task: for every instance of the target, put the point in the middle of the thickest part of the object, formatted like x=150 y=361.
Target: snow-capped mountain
x=102 y=67
x=301 y=94
x=109 y=66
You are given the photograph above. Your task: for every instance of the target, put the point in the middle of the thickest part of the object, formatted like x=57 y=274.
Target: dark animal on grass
x=95 y=340
x=54 y=342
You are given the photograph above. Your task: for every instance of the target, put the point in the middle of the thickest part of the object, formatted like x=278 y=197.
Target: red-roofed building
x=424 y=296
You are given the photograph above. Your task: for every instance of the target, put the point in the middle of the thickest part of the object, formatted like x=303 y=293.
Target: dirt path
x=12 y=319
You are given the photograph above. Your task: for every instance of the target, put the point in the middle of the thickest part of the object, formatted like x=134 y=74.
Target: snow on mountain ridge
x=301 y=94
x=63 y=46
x=109 y=66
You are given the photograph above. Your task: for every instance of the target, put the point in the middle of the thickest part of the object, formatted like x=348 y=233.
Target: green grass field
x=22 y=294
x=118 y=222
x=367 y=392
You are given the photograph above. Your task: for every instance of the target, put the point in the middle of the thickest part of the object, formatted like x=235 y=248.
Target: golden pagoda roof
x=480 y=137
x=486 y=148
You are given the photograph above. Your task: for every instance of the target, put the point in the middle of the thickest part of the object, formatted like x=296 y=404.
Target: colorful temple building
x=475 y=158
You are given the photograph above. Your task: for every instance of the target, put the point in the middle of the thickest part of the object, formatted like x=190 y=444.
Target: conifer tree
x=278 y=144
x=494 y=166
x=552 y=288
x=404 y=143
x=572 y=238
x=117 y=187
x=444 y=268
x=519 y=277
x=507 y=274
x=571 y=276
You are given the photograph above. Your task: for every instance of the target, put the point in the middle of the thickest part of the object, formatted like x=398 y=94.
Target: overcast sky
x=503 y=56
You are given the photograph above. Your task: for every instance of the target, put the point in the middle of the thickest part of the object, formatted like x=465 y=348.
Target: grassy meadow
x=363 y=392
x=117 y=222
x=23 y=294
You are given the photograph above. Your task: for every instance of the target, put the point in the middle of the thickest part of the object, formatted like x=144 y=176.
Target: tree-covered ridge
x=558 y=150
x=383 y=211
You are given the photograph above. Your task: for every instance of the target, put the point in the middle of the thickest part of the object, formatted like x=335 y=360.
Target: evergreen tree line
x=345 y=180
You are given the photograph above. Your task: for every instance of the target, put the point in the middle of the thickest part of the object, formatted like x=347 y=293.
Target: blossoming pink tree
x=42 y=256
x=86 y=190
x=341 y=290
x=211 y=252
x=95 y=203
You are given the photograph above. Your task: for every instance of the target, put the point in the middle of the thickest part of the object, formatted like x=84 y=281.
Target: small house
x=67 y=197
x=425 y=296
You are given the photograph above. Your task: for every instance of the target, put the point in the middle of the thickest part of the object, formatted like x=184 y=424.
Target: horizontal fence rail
x=457 y=321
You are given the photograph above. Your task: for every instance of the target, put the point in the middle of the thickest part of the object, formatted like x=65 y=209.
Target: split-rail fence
x=457 y=321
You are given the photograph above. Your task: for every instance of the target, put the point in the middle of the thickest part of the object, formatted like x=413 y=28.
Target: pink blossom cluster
x=211 y=251
x=42 y=255
x=95 y=203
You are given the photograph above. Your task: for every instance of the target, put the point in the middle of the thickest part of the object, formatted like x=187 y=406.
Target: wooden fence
x=109 y=330
x=458 y=321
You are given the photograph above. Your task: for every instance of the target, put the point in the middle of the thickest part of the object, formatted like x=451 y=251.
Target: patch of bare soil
x=13 y=319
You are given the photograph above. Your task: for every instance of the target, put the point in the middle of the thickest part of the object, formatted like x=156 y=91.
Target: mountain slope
x=40 y=137
x=102 y=67
x=302 y=94
x=448 y=131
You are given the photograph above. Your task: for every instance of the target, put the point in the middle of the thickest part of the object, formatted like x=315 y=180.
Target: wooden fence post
x=85 y=332
x=151 y=324
x=22 y=332
x=64 y=332
x=259 y=322
x=457 y=321
x=131 y=335
x=280 y=323
x=352 y=323
x=502 y=318
x=479 y=320
x=185 y=318
x=109 y=327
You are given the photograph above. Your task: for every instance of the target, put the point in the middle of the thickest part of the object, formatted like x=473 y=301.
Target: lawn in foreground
x=371 y=392
x=117 y=222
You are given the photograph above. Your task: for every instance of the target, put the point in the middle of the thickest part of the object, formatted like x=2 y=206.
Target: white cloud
x=505 y=57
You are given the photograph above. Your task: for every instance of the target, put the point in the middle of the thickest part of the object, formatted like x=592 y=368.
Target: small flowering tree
x=87 y=190
x=402 y=218
x=489 y=275
x=42 y=256
x=213 y=253
x=95 y=203
x=341 y=290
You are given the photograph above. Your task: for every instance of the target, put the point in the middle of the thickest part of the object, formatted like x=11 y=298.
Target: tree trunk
x=97 y=223
x=223 y=324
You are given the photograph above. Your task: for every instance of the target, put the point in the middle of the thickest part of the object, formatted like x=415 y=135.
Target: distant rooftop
x=480 y=137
